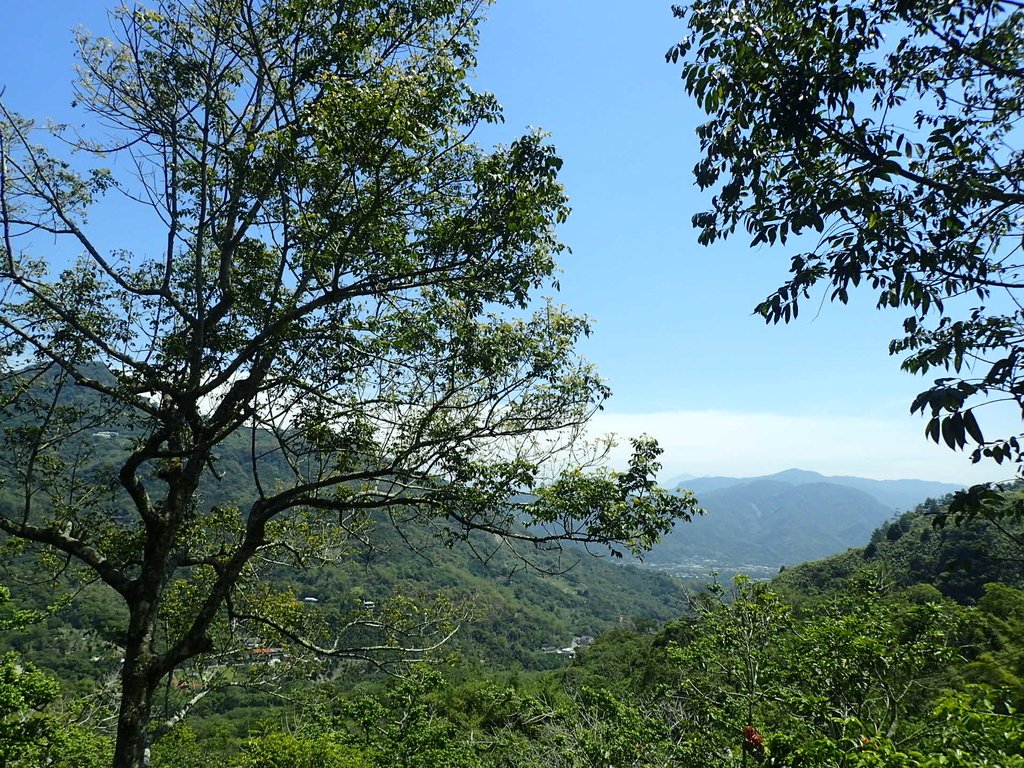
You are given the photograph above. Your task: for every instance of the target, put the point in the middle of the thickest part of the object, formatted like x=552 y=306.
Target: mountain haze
x=900 y=495
x=771 y=523
x=759 y=524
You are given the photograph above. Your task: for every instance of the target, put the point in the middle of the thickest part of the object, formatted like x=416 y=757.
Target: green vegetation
x=876 y=677
x=309 y=484
x=29 y=734
x=347 y=284
x=508 y=614
x=891 y=655
x=919 y=548
x=879 y=137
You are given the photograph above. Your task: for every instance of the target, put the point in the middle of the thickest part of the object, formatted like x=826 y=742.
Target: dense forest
x=308 y=479
x=906 y=652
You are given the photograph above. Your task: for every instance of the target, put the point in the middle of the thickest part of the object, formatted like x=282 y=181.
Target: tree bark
x=131 y=748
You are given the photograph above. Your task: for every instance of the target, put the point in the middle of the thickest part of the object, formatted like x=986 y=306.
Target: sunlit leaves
x=886 y=132
x=337 y=319
x=613 y=507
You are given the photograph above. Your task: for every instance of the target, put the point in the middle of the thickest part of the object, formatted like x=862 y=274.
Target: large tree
x=332 y=274
x=880 y=140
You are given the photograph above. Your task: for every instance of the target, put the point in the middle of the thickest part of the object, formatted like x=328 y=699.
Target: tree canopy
x=336 y=276
x=879 y=139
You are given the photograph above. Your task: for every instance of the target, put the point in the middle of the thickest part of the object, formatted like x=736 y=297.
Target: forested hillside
x=854 y=661
x=301 y=462
x=770 y=523
x=893 y=654
x=915 y=635
x=509 y=616
x=923 y=546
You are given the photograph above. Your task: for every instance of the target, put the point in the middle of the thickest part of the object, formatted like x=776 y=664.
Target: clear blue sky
x=675 y=336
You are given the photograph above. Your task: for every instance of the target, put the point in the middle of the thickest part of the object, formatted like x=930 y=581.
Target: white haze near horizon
x=735 y=444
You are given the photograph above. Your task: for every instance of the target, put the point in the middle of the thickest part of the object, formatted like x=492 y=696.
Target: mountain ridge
x=899 y=495
x=759 y=524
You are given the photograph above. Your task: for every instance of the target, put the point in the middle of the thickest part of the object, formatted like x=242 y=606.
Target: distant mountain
x=898 y=495
x=768 y=522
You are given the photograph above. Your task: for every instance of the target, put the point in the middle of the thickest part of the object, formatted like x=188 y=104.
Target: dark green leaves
x=615 y=507
x=902 y=155
x=338 y=293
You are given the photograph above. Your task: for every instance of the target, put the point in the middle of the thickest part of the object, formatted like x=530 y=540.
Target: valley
x=759 y=525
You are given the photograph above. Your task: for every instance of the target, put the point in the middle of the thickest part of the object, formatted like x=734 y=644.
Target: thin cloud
x=748 y=444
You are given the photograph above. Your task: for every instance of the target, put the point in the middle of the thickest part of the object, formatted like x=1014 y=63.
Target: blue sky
x=674 y=334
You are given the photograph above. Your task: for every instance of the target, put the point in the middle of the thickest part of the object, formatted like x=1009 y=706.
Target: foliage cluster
x=879 y=140
x=335 y=274
x=878 y=677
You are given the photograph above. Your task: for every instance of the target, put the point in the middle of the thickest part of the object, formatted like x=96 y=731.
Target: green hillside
x=912 y=549
x=769 y=523
x=509 y=612
x=889 y=656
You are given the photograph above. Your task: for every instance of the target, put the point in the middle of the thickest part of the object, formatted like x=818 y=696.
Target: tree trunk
x=131 y=749
x=141 y=672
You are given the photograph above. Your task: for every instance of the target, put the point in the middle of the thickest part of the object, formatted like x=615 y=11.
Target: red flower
x=753 y=742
